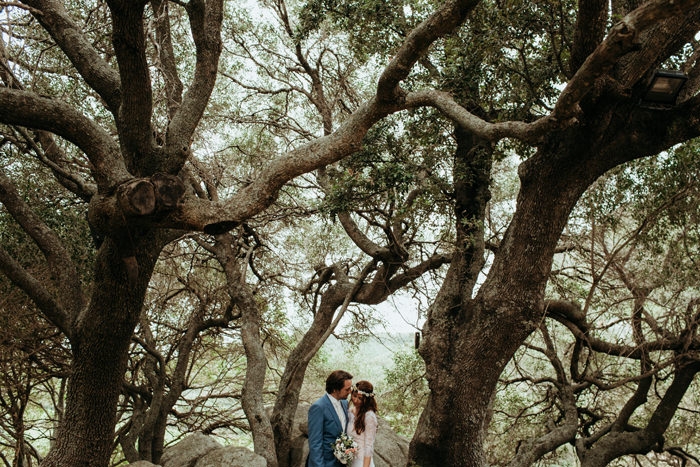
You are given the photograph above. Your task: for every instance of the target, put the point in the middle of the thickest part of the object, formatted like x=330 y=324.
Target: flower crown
x=360 y=391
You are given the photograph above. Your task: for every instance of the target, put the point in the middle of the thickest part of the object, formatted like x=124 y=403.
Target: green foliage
x=369 y=174
x=659 y=198
x=374 y=27
x=492 y=63
x=61 y=211
x=507 y=62
x=34 y=362
x=632 y=248
x=390 y=164
x=406 y=392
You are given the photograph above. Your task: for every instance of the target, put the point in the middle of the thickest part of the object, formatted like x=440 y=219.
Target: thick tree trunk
x=462 y=365
x=100 y=349
x=466 y=348
x=468 y=341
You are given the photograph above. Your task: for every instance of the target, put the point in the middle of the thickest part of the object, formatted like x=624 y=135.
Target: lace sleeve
x=371 y=424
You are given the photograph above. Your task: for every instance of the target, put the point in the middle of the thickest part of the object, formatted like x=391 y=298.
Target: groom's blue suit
x=324 y=429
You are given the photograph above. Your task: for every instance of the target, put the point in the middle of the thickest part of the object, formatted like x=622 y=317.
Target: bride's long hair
x=365 y=391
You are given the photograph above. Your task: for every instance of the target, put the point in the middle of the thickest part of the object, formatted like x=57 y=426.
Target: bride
x=363 y=423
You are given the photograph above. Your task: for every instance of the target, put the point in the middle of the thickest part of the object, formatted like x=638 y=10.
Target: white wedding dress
x=365 y=440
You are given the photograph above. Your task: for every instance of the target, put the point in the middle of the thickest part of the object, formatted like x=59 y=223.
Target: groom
x=328 y=417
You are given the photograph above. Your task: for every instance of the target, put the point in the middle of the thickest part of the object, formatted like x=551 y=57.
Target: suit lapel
x=334 y=414
x=344 y=404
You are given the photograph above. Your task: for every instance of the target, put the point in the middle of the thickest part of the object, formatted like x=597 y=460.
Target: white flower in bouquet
x=344 y=448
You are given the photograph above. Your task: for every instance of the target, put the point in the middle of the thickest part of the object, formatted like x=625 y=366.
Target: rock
x=390 y=449
x=143 y=464
x=187 y=452
x=231 y=456
x=301 y=420
x=299 y=451
x=199 y=450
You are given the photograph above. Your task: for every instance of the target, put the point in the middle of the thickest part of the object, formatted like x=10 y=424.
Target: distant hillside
x=371 y=358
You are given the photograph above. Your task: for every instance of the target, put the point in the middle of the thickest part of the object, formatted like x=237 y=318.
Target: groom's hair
x=336 y=380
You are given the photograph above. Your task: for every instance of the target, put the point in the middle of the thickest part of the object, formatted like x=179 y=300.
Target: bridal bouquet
x=344 y=448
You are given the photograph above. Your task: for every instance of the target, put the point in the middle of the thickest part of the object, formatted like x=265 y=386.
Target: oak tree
x=119 y=123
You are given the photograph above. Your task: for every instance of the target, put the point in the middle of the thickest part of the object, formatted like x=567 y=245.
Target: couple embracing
x=331 y=421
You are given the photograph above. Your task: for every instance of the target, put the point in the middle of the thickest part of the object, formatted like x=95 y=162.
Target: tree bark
x=618 y=443
x=100 y=344
x=455 y=340
x=467 y=342
x=242 y=297
x=293 y=376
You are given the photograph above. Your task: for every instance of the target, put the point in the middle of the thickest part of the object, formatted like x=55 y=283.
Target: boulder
x=187 y=452
x=390 y=449
x=143 y=464
x=299 y=451
x=200 y=450
x=231 y=456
